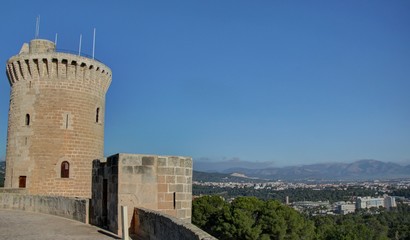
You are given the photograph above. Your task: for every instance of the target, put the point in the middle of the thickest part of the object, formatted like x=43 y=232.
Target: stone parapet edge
x=150 y=224
x=66 y=207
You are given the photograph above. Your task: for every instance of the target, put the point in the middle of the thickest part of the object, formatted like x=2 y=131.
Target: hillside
x=221 y=177
x=359 y=170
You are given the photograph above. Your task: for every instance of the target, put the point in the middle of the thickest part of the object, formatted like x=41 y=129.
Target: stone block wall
x=104 y=202
x=154 y=225
x=161 y=183
x=71 y=208
x=13 y=190
x=175 y=186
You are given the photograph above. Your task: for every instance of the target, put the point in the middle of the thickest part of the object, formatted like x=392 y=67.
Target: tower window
x=97 y=115
x=175 y=202
x=27 y=119
x=66 y=121
x=65 y=169
x=22 y=181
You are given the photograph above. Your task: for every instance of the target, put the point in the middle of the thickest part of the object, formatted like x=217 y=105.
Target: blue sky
x=288 y=82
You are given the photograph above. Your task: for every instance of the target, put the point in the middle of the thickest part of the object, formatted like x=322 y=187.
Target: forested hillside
x=252 y=218
x=294 y=194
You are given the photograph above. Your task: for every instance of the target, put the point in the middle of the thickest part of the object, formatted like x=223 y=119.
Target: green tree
x=205 y=210
x=251 y=218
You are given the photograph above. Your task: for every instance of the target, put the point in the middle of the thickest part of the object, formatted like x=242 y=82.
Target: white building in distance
x=368 y=202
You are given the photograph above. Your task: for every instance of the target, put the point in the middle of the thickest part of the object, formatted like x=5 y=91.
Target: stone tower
x=56 y=120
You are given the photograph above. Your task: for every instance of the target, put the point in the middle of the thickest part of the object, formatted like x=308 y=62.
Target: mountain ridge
x=358 y=170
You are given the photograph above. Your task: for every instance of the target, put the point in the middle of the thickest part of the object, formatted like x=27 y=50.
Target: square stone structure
x=160 y=183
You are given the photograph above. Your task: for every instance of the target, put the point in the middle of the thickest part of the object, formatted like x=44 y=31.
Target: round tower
x=56 y=120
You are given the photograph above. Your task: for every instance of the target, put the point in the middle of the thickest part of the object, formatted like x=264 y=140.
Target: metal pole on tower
x=94 y=43
x=79 y=47
x=37 y=27
x=55 y=40
x=38 y=31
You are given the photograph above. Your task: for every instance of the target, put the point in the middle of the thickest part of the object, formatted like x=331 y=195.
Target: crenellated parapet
x=56 y=120
x=40 y=61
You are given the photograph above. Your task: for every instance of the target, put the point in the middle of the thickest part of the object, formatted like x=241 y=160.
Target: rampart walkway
x=15 y=224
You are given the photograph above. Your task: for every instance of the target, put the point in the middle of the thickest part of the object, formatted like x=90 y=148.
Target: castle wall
x=161 y=183
x=55 y=144
x=53 y=118
x=104 y=201
x=71 y=208
x=153 y=225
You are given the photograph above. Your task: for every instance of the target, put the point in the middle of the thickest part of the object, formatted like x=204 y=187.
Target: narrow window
x=22 y=182
x=65 y=169
x=175 y=202
x=97 y=115
x=66 y=122
x=27 y=119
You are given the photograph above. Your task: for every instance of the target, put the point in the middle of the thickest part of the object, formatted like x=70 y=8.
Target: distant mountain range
x=358 y=170
x=222 y=177
x=205 y=165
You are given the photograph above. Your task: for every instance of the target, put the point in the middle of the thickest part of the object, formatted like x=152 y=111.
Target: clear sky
x=289 y=82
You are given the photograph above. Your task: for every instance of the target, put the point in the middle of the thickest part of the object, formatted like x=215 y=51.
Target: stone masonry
x=56 y=115
x=55 y=145
x=161 y=183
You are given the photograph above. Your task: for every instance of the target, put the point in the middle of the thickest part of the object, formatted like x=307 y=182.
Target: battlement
x=40 y=61
x=40 y=46
x=56 y=119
